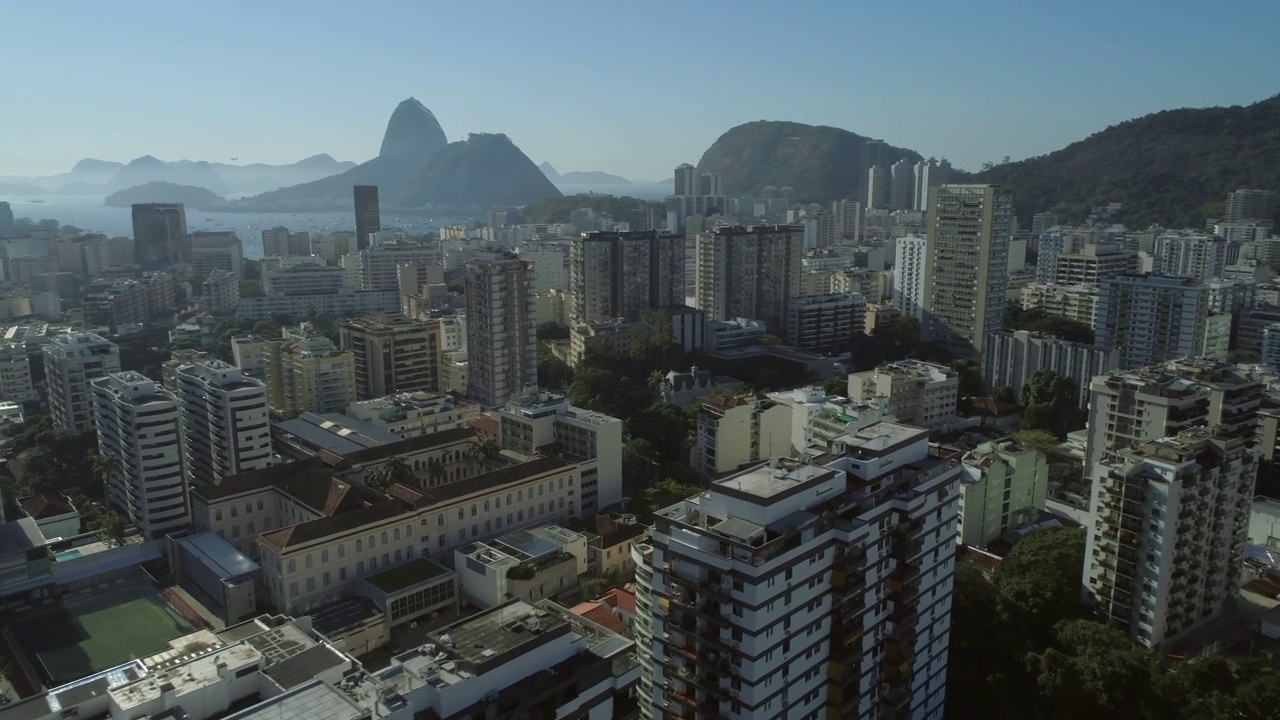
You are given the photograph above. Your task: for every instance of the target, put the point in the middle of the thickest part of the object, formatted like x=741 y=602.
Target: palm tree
x=105 y=467
x=483 y=450
x=396 y=470
x=656 y=379
x=376 y=479
x=436 y=472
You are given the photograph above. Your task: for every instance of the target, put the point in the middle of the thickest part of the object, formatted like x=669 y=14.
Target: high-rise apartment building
x=709 y=184
x=966 y=268
x=929 y=174
x=1129 y=408
x=71 y=363
x=792 y=590
x=750 y=273
x=1245 y=205
x=502 y=341
x=392 y=354
x=550 y=264
x=1151 y=318
x=1011 y=358
x=209 y=251
x=1198 y=256
x=15 y=375
x=902 y=183
x=375 y=267
x=686 y=180
x=6 y=219
x=279 y=242
x=1075 y=302
x=138 y=422
x=1040 y=222
x=159 y=230
x=908 y=275
x=305 y=372
x=221 y=293
x=623 y=274
x=913 y=391
x=878 y=187
x=1091 y=264
x=225 y=422
x=849 y=215
x=1170 y=519
x=825 y=323
x=368 y=213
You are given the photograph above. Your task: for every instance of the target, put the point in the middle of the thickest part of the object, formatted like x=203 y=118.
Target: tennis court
x=97 y=629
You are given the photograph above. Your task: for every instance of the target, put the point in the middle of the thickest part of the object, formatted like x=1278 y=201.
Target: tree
x=666 y=428
x=105 y=467
x=554 y=373
x=376 y=479
x=1050 y=402
x=836 y=386
x=1005 y=394
x=970 y=372
x=1041 y=441
x=656 y=380
x=666 y=493
x=1042 y=575
x=395 y=470
x=437 y=473
x=551 y=330
x=483 y=451
x=608 y=392
x=112 y=525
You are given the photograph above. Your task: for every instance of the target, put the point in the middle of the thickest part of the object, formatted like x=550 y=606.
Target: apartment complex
x=802 y=590
x=127 y=301
x=138 y=422
x=827 y=322
x=414 y=414
x=392 y=354
x=502 y=340
x=1002 y=487
x=1151 y=318
x=1074 y=302
x=908 y=275
x=749 y=273
x=735 y=431
x=1011 y=358
x=225 y=421
x=1092 y=263
x=623 y=274
x=15 y=375
x=1165 y=549
x=966 y=268
x=375 y=267
x=305 y=372
x=913 y=391
x=1198 y=256
x=71 y=362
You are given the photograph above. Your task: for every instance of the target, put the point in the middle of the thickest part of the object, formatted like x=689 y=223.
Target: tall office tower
x=1245 y=205
x=138 y=421
x=1040 y=222
x=849 y=218
x=789 y=590
x=1131 y=407
x=368 y=214
x=392 y=354
x=929 y=174
x=159 y=230
x=686 y=180
x=750 y=273
x=877 y=187
x=1199 y=256
x=306 y=372
x=6 y=219
x=623 y=274
x=71 y=362
x=1151 y=318
x=908 y=275
x=1011 y=358
x=1164 y=552
x=966 y=264
x=902 y=182
x=225 y=422
x=502 y=341
x=709 y=184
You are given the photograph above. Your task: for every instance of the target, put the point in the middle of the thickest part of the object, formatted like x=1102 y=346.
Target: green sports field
x=92 y=634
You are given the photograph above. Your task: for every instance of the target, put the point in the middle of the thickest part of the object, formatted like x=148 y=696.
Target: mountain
x=592 y=177
x=1173 y=167
x=91 y=170
x=416 y=168
x=820 y=163
x=195 y=198
x=148 y=169
x=260 y=177
x=486 y=169
x=549 y=171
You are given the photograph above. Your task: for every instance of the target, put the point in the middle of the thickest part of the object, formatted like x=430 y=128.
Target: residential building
x=930 y=174
x=827 y=322
x=305 y=372
x=221 y=292
x=880 y=316
x=249 y=353
x=413 y=414
x=376 y=267
x=279 y=242
x=902 y=183
x=849 y=216
x=1270 y=353
x=502 y=341
x=1092 y=263
x=818 y=418
x=750 y=273
x=1164 y=553
x=909 y=275
x=225 y=428
x=1194 y=255
x=158 y=233
x=15 y=375
x=368 y=214
x=342 y=304
x=966 y=268
x=1002 y=487
x=392 y=354
x=1231 y=295
x=6 y=219
x=138 y=422
x=71 y=363
x=301 y=276
x=1250 y=328
x=550 y=264
x=1244 y=205
x=1128 y=408
x=1078 y=302
x=735 y=431
x=128 y=301
x=877 y=187
x=216 y=251
x=684 y=387
x=861 y=578
x=623 y=274
x=539 y=562
x=913 y=391
x=1151 y=318
x=1011 y=358
x=54 y=514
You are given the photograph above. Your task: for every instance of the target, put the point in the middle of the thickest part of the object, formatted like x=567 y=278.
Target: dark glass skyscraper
x=368 y=218
x=159 y=230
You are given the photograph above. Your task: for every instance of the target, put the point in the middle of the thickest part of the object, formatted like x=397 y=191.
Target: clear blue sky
x=632 y=88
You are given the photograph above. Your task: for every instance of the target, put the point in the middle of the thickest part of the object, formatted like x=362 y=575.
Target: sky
x=632 y=88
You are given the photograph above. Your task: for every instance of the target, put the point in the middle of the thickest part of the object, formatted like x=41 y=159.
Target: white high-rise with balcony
x=225 y=421
x=71 y=362
x=908 y=275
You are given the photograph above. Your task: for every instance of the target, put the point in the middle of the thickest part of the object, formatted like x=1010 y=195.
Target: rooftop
x=335 y=432
x=412 y=445
x=312 y=701
x=481 y=641
x=406 y=575
x=310 y=482
x=324 y=527
x=497 y=478
x=46 y=505
x=767 y=481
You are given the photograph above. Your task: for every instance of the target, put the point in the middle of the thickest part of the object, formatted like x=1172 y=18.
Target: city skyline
x=1052 y=88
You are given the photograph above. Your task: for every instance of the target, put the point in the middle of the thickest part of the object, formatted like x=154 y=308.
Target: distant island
x=195 y=198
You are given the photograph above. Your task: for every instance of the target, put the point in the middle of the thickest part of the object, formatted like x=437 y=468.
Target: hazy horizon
x=631 y=91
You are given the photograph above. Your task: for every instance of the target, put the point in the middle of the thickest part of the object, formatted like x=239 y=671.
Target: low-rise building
x=915 y=392
x=683 y=388
x=1003 y=487
x=735 y=431
x=416 y=413
x=539 y=562
x=54 y=514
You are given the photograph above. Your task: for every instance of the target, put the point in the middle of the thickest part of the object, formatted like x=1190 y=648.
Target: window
x=259 y=503
x=233 y=511
x=542 y=508
x=440 y=539
x=324 y=555
x=311 y=584
x=386 y=559
x=509 y=516
x=342 y=551
x=342 y=574
x=486 y=506
x=520 y=516
x=384 y=537
x=475 y=530
x=440 y=520
x=359 y=546
x=561 y=483
x=293 y=589
x=398 y=556
x=325 y=580
x=497 y=503
x=373 y=563
x=248 y=508
x=395 y=534
x=372 y=544
x=249 y=528
x=308 y=559
x=461 y=513
x=508 y=498
x=360 y=567
x=217 y=515
x=293 y=566
x=539 y=491
x=473 y=509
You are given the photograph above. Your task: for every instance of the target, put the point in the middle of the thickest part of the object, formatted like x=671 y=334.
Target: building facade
x=913 y=391
x=1003 y=486
x=225 y=421
x=1151 y=318
x=827 y=322
x=1011 y=358
x=502 y=341
x=71 y=363
x=750 y=273
x=623 y=274
x=392 y=354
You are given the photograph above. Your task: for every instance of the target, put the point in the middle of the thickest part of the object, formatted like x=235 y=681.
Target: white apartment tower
x=502 y=342
x=71 y=362
x=966 y=271
x=750 y=273
x=929 y=174
x=795 y=590
x=902 y=183
x=877 y=187
x=623 y=274
x=1170 y=519
x=139 y=423
x=1198 y=256
x=1011 y=358
x=225 y=421
x=1151 y=318
x=909 y=275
